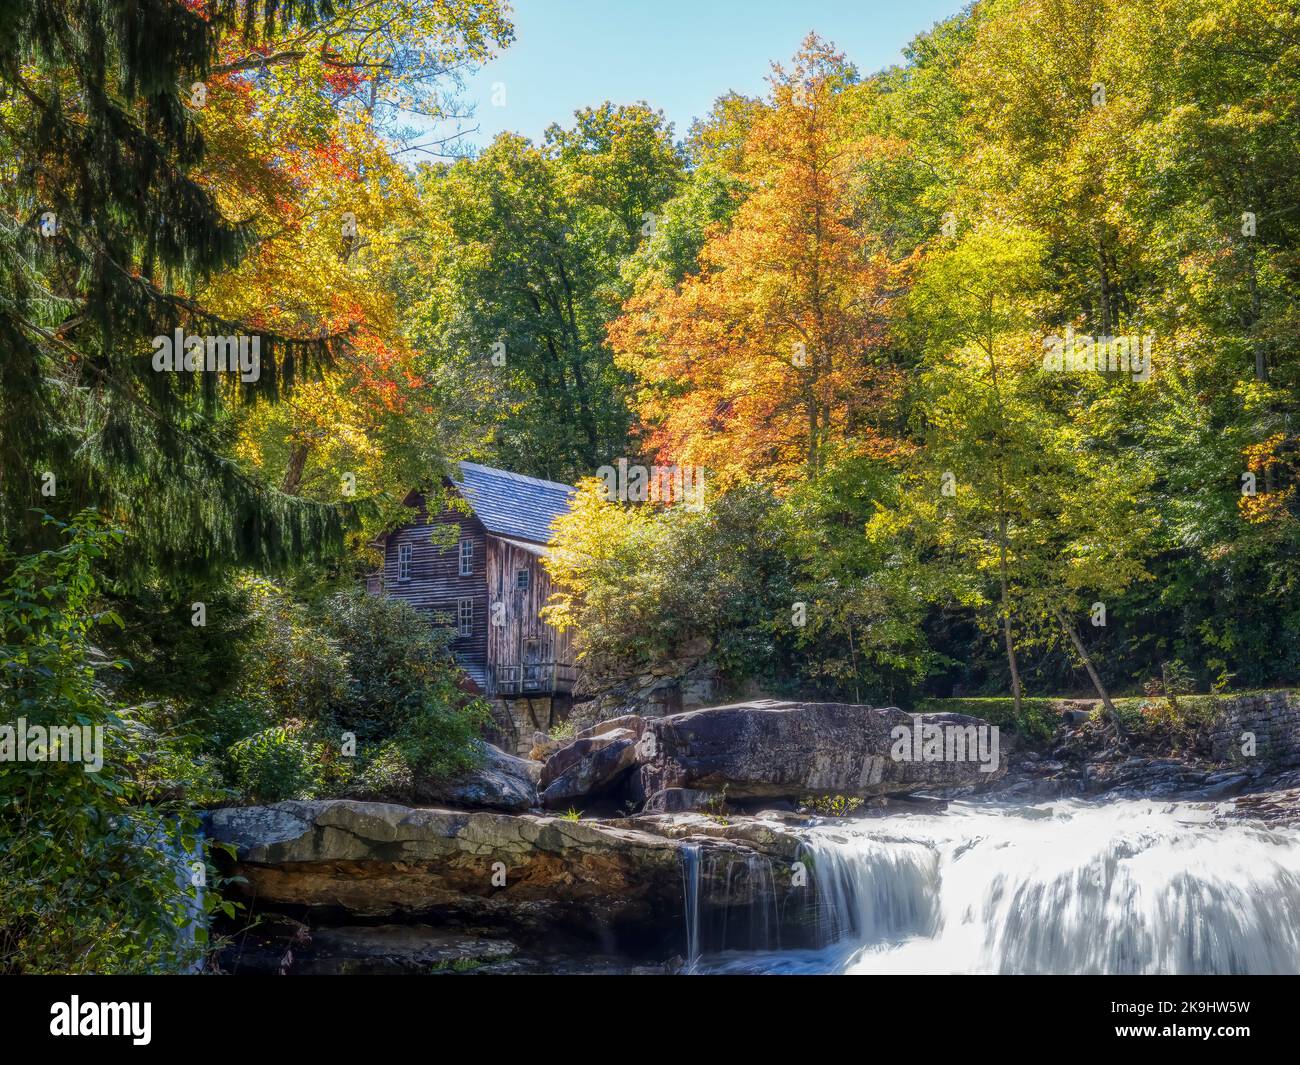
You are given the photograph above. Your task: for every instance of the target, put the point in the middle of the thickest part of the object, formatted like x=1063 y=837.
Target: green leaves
x=523 y=274
x=110 y=228
x=88 y=870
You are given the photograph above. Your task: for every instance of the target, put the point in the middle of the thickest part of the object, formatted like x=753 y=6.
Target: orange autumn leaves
x=1269 y=461
x=769 y=362
x=285 y=156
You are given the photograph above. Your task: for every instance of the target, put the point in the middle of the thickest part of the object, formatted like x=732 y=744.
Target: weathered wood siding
x=435 y=584
x=523 y=638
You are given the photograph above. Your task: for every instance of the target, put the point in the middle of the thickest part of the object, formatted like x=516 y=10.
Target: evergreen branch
x=180 y=434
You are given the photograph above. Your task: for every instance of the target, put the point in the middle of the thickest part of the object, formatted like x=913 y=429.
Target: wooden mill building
x=488 y=581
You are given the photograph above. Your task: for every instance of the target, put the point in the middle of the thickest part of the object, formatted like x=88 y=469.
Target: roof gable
x=510 y=504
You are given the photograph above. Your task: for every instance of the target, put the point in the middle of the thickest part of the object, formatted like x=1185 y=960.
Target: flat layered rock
x=543 y=881
x=378 y=858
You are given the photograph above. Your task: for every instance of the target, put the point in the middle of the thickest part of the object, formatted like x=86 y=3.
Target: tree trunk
x=1006 y=615
x=853 y=652
x=293 y=472
x=1073 y=634
x=1002 y=523
x=1106 y=309
x=1261 y=364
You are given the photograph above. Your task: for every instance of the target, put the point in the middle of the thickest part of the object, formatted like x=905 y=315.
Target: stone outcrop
x=374 y=887
x=1280 y=806
x=686 y=681
x=1088 y=759
x=775 y=749
x=1038 y=778
x=768 y=750
x=383 y=860
x=631 y=722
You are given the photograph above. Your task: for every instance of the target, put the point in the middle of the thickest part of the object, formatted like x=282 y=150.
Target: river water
x=1133 y=886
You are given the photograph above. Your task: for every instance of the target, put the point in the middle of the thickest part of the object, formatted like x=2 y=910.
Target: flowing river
x=1132 y=886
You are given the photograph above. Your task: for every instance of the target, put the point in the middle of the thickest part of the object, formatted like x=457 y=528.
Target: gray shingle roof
x=510 y=504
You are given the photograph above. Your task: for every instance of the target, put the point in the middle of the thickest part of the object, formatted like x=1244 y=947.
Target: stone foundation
x=1273 y=718
x=515 y=721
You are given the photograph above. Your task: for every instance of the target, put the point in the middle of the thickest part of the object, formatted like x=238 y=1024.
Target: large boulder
x=500 y=782
x=631 y=722
x=770 y=749
x=588 y=767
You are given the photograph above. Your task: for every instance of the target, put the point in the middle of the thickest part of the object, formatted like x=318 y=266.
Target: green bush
x=290 y=660
x=1037 y=720
x=298 y=677
x=230 y=719
x=277 y=763
x=91 y=872
x=386 y=773
x=1183 y=722
x=403 y=685
x=173 y=765
x=831 y=805
x=353 y=665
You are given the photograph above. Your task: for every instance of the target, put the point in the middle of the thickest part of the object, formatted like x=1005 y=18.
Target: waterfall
x=730 y=901
x=691 y=893
x=1131 y=886
x=872 y=889
x=742 y=903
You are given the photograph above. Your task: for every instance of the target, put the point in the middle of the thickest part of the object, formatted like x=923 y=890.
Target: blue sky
x=677 y=55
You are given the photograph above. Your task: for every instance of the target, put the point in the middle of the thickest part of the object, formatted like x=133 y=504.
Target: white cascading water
x=691 y=895
x=1132 y=886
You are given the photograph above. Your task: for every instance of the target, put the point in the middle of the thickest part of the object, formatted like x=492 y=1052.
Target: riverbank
x=1103 y=826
